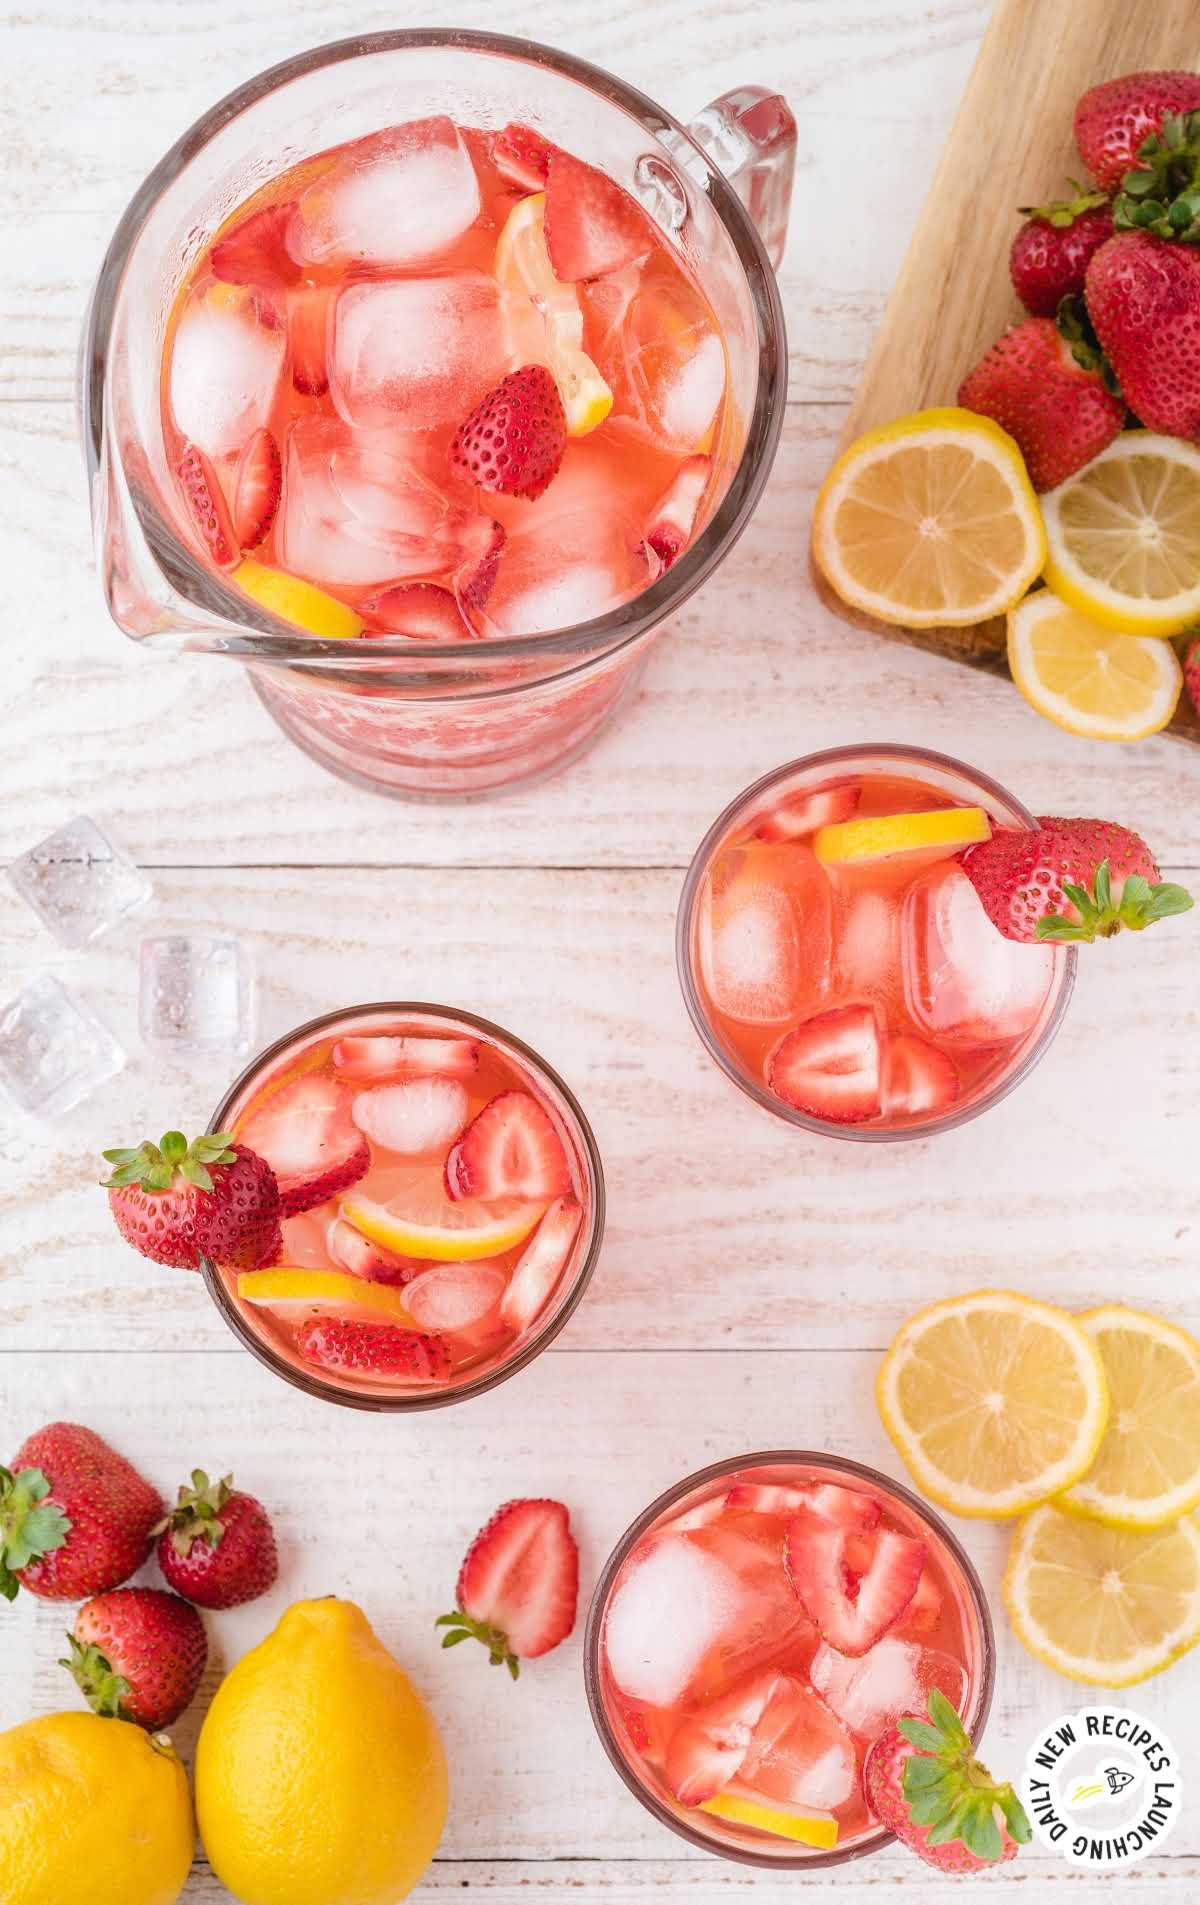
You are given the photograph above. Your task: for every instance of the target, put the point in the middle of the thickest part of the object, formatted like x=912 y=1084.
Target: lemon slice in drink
x=879 y=835
x=419 y=1220
x=1089 y=679
x=1147 y=1469
x=295 y=600
x=1107 y=1606
x=930 y=521
x=1123 y=535
x=544 y=317
x=783 y=1821
x=995 y=1401
x=286 y=1288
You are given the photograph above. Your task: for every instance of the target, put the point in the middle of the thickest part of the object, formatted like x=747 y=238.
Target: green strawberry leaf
x=105 y=1690
x=920 y=1733
x=1167 y=899
x=1015 y=1816
x=30 y=1526
x=922 y=1770
x=981 y=1834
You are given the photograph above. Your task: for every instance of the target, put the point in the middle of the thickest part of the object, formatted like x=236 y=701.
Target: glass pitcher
x=398 y=715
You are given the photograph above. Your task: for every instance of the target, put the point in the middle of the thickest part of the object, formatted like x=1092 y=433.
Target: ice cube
x=665 y=361
x=196 y=995
x=364 y=511
x=765 y=932
x=418 y=353
x=875 y=1689
x=962 y=979
x=801 y=1753
x=53 y=1050
x=79 y=882
x=225 y=368
x=671 y=1609
x=574 y=554
x=865 y=940
x=771 y=1621
x=399 y=197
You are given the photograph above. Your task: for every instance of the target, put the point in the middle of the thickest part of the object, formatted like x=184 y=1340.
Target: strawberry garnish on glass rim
x=176 y=1201
x=922 y=1782
x=1070 y=880
x=518 y=1586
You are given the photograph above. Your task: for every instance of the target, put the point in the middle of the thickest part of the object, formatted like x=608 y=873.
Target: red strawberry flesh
x=519 y=1584
x=423 y=610
x=522 y=156
x=918 y=1079
x=592 y=227
x=540 y=1264
x=351 y=1347
x=511 y=1149
x=800 y=814
x=256 y=489
x=210 y=512
x=308 y=1135
x=829 y=1065
x=308 y=329
x=384 y=1055
x=255 y=251
x=815 y=1559
x=673 y=517
x=513 y=440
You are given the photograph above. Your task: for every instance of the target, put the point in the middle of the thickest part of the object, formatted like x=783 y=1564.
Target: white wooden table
x=750 y=1278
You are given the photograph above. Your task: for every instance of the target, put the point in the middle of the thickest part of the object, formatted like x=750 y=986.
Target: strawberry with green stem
x=175 y=1201
x=922 y=1782
x=1071 y=880
x=518 y=1586
x=217 y=1546
x=1050 y=252
x=76 y=1518
x=137 y=1654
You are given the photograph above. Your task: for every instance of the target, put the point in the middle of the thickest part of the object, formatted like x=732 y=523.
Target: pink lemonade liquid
x=440 y=1190
x=719 y=1688
x=867 y=992
x=348 y=320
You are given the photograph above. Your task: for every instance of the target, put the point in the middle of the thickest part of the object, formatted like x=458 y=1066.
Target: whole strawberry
x=75 y=1517
x=1113 y=119
x=513 y=440
x=1048 y=391
x=1191 y=671
x=922 y=1781
x=137 y=1654
x=217 y=1546
x=175 y=1201
x=1143 y=297
x=518 y=1587
x=1070 y=880
x=1050 y=252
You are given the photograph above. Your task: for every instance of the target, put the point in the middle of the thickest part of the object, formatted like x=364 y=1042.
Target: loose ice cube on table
x=962 y=978
x=53 y=1051
x=397 y=198
x=416 y=353
x=765 y=932
x=225 y=368
x=196 y=995
x=875 y=1689
x=671 y=1609
x=79 y=882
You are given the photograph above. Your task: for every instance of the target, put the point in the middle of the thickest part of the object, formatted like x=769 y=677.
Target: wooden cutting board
x=1011 y=144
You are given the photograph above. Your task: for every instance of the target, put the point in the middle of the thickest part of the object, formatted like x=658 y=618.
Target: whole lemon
x=320 y=1775
x=92 y=1811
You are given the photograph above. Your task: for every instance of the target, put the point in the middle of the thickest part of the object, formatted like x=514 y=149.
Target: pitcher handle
x=750 y=135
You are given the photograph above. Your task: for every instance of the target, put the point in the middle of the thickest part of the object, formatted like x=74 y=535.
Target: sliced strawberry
x=802 y=814
x=308 y=1136
x=372 y=1349
x=423 y=610
x=540 y=1264
x=522 y=155
x=413 y=1116
x=308 y=334
x=270 y=311
x=829 y=1065
x=206 y=500
x=815 y=1559
x=474 y=580
x=698 y=1517
x=386 y=1055
x=845 y=1508
x=519 y=1584
x=351 y=1251
x=256 y=489
x=592 y=226
x=513 y=440
x=674 y=515
x=510 y=1150
x=921 y=1614
x=765 y=1498
x=255 y=251
x=917 y=1078
x=709 y=1747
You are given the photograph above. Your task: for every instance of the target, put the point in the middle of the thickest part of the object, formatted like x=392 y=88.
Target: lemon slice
x=785 y=1822
x=295 y=600
x=994 y=1400
x=1088 y=679
x=1123 y=535
x=544 y=318
x=930 y=521
x=882 y=834
x=421 y=1221
x=1108 y=1606
x=285 y=1288
x=1147 y=1471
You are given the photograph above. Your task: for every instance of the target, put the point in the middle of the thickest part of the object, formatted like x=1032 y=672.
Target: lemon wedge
x=1089 y=679
x=785 y=1822
x=1123 y=535
x=286 y=1288
x=1106 y=1606
x=879 y=835
x=995 y=1401
x=1147 y=1470
x=544 y=318
x=421 y=1221
x=930 y=521
x=295 y=600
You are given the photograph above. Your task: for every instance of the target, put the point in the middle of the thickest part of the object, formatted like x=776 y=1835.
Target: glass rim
x=270 y=639
x=443 y=1397
x=974 y=1722
x=689 y=893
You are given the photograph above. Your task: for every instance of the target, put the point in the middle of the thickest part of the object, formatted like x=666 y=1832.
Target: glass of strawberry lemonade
x=442 y=1201
x=837 y=960
x=754 y=1633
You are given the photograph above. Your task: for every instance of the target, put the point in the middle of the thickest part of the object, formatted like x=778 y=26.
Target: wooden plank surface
x=750 y=1278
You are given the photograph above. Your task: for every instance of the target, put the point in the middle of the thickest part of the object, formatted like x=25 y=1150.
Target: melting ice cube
x=225 y=367
x=417 y=353
x=573 y=554
x=962 y=978
x=671 y=1609
x=893 y=1679
x=765 y=932
x=802 y=1754
x=398 y=198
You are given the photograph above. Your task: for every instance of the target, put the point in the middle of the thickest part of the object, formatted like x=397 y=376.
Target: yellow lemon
x=781 y=1820
x=295 y=600
x=880 y=835
x=320 y=1774
x=1147 y=1469
x=1090 y=680
x=1123 y=535
x=545 y=318
x=288 y=1288
x=92 y=1812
